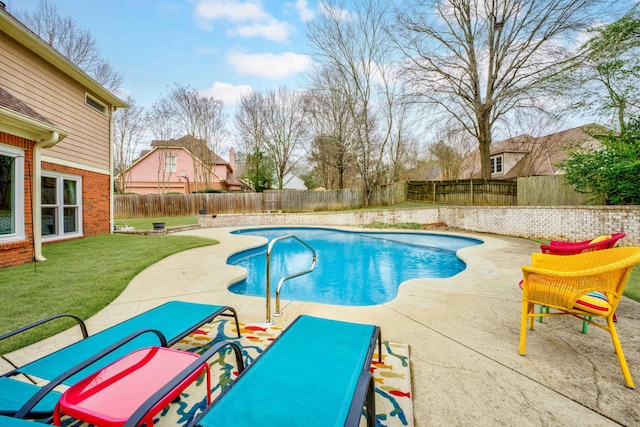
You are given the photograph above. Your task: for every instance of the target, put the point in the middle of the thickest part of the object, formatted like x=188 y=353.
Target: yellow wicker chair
x=559 y=281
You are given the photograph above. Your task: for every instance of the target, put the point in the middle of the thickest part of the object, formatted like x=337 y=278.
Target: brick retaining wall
x=559 y=223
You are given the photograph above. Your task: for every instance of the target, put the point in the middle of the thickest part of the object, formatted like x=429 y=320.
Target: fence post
x=471 y=184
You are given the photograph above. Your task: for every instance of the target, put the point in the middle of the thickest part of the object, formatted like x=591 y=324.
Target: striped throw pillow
x=593 y=302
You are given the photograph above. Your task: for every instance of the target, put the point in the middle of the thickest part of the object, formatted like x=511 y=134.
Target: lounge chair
x=561 y=282
x=316 y=373
x=558 y=247
x=165 y=324
x=17 y=422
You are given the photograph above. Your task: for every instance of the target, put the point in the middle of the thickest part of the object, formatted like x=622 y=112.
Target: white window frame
x=18 y=194
x=92 y=102
x=494 y=164
x=60 y=178
x=171 y=166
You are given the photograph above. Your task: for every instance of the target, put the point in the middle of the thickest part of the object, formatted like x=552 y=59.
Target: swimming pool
x=353 y=268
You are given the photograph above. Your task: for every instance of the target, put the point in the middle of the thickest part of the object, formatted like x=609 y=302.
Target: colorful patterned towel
x=392 y=377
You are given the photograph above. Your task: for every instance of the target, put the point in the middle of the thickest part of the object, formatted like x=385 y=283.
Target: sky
x=222 y=48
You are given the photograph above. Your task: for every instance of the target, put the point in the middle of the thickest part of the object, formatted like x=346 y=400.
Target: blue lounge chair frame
x=316 y=373
x=164 y=325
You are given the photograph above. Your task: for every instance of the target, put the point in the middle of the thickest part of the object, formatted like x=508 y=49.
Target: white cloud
x=269 y=65
x=248 y=17
x=306 y=14
x=272 y=29
x=229 y=94
x=230 y=10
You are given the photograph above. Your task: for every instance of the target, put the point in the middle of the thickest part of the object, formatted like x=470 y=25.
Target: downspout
x=36 y=212
x=112 y=223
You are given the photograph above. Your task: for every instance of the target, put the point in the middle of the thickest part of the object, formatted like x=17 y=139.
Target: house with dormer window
x=525 y=155
x=55 y=147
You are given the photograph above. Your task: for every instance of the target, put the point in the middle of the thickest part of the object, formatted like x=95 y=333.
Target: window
x=95 y=104
x=171 y=163
x=11 y=194
x=61 y=205
x=496 y=164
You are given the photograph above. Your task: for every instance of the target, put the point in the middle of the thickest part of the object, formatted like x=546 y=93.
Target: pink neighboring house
x=181 y=165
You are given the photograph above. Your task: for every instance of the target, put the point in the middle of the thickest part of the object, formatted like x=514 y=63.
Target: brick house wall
x=95 y=198
x=14 y=253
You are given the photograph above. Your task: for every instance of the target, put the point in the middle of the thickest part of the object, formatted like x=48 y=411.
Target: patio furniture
x=110 y=396
x=165 y=324
x=557 y=247
x=559 y=282
x=316 y=373
x=6 y=421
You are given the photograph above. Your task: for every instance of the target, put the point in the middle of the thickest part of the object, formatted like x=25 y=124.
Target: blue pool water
x=353 y=268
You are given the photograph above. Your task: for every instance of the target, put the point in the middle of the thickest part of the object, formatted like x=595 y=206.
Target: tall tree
x=354 y=44
x=287 y=129
x=129 y=127
x=73 y=41
x=273 y=123
x=479 y=60
x=331 y=151
x=606 y=80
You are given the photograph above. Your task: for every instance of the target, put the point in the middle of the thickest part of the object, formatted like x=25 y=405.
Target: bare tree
x=74 y=42
x=201 y=117
x=162 y=126
x=478 y=60
x=450 y=151
x=274 y=122
x=286 y=127
x=251 y=126
x=331 y=151
x=129 y=127
x=355 y=46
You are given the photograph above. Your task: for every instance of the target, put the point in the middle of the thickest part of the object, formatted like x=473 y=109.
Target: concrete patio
x=463 y=334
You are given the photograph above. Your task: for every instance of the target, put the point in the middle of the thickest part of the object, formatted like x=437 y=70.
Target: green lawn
x=80 y=277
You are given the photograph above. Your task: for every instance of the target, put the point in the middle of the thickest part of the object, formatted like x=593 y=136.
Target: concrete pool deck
x=463 y=335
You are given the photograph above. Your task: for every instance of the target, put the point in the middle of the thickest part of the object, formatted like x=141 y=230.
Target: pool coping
x=463 y=335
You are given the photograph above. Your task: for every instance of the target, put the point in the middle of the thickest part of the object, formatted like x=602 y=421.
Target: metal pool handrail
x=281 y=282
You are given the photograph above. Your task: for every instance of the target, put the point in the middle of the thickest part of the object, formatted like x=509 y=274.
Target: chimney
x=232 y=159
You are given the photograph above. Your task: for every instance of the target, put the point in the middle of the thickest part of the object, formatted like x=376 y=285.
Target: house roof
x=195 y=145
x=17 y=114
x=539 y=155
x=23 y=35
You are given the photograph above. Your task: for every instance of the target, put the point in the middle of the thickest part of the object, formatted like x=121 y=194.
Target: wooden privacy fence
x=159 y=205
x=490 y=192
x=548 y=190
